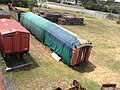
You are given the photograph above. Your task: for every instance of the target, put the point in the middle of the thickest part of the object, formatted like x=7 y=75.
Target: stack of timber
x=109 y=87
x=60 y=18
x=52 y=16
x=75 y=86
x=68 y=19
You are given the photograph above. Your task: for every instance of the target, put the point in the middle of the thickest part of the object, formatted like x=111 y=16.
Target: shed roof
x=3 y=12
x=10 y=26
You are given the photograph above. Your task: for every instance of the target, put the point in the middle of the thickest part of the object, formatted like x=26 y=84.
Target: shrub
x=116 y=9
x=110 y=16
x=113 y=8
x=23 y=4
x=4 y=1
x=31 y=4
x=118 y=21
x=20 y=3
x=90 y=5
x=105 y=8
x=93 y=6
x=85 y=1
x=98 y=6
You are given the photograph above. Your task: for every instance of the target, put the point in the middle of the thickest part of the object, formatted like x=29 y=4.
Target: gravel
x=9 y=85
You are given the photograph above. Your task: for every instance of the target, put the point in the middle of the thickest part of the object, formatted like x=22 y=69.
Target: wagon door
x=7 y=43
x=80 y=54
x=24 y=42
x=16 y=42
x=76 y=57
x=88 y=53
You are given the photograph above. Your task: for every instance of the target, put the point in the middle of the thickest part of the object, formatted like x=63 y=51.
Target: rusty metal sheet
x=80 y=55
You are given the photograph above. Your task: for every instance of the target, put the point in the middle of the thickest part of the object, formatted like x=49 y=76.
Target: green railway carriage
x=56 y=38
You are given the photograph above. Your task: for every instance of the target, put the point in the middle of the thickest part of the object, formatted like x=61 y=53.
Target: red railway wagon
x=14 y=39
x=4 y=14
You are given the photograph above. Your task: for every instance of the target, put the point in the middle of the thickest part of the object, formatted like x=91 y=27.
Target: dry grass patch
x=46 y=73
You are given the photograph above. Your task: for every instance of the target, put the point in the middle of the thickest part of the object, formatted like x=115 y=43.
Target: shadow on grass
x=34 y=65
x=28 y=58
x=84 y=67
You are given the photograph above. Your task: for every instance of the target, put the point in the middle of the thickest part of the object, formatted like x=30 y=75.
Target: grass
x=105 y=38
x=46 y=73
x=104 y=65
x=24 y=9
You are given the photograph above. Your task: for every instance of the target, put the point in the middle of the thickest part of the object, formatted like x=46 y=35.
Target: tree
x=19 y=3
x=4 y=1
x=119 y=14
x=31 y=4
x=76 y=2
x=85 y=1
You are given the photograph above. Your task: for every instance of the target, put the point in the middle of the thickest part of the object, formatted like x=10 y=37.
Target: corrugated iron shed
x=4 y=14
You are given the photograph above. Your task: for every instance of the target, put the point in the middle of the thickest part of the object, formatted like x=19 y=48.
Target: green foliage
x=85 y=1
x=20 y=3
x=4 y=1
x=31 y=4
x=93 y=6
x=110 y=16
x=105 y=8
x=89 y=5
x=98 y=6
x=118 y=21
x=113 y=8
x=24 y=3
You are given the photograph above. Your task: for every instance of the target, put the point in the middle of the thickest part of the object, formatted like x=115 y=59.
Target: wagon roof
x=10 y=26
x=7 y=31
